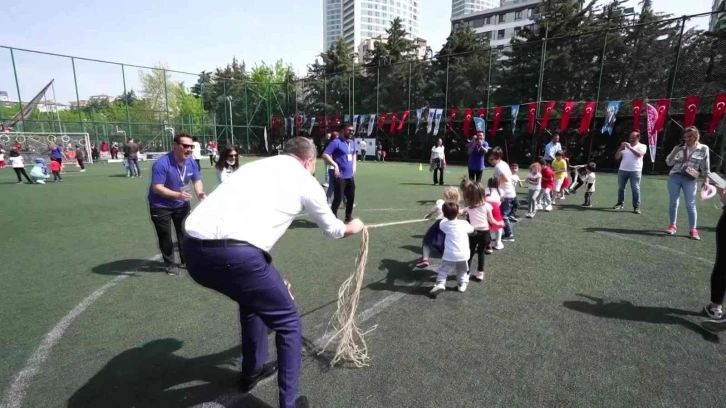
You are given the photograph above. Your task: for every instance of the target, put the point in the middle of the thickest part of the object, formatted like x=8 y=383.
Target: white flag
x=371 y=124
x=312 y=124
x=439 y=113
x=430 y=124
x=355 y=124
x=266 y=147
x=418 y=119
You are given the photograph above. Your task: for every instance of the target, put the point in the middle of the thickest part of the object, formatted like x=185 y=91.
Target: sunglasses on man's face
x=186 y=146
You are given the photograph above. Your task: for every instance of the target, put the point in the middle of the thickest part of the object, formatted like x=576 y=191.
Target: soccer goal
x=31 y=144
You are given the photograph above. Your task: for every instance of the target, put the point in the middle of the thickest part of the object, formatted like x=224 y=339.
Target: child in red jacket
x=548 y=184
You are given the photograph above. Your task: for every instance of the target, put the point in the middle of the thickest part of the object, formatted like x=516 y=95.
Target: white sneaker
x=530 y=216
x=462 y=287
x=539 y=207
x=499 y=247
x=83 y=171
x=548 y=208
x=438 y=288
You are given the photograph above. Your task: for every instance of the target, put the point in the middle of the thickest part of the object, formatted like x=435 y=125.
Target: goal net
x=31 y=145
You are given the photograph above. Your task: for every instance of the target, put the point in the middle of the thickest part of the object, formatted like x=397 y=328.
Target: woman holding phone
x=689 y=161
x=714 y=311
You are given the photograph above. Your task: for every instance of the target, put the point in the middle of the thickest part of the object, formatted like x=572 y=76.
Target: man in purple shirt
x=341 y=154
x=169 y=199
x=477 y=151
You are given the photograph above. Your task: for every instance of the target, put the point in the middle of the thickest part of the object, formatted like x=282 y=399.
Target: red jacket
x=548 y=178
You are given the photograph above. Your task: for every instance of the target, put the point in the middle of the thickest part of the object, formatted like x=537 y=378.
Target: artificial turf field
x=589 y=307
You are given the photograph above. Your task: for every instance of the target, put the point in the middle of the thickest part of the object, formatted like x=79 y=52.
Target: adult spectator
x=227 y=244
x=57 y=155
x=362 y=147
x=169 y=199
x=329 y=182
x=503 y=174
x=689 y=161
x=340 y=154
x=131 y=151
x=477 y=150
x=714 y=311
x=631 y=155
x=551 y=149
x=81 y=157
x=228 y=163
x=197 y=152
x=437 y=161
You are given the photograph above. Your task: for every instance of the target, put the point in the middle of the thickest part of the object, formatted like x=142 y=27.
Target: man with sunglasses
x=341 y=154
x=227 y=244
x=169 y=198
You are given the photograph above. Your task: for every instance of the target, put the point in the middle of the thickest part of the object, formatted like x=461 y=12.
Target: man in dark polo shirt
x=169 y=198
x=341 y=154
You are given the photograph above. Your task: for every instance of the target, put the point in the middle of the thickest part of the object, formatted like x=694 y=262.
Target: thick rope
x=351 y=343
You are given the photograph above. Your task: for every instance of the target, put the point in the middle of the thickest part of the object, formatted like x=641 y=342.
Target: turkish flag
x=392 y=129
x=483 y=113
x=566 y=114
x=298 y=124
x=531 y=116
x=587 y=115
x=452 y=117
x=637 y=108
x=337 y=121
x=719 y=106
x=467 y=121
x=321 y=124
x=662 y=106
x=547 y=112
x=497 y=116
x=403 y=121
x=692 y=104
x=381 y=120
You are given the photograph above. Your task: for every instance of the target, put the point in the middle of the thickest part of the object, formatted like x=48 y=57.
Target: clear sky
x=188 y=36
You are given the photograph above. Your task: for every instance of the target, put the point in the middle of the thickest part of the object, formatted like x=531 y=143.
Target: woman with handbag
x=689 y=161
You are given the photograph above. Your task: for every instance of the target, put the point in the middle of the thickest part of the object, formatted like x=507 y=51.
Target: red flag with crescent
x=587 y=115
x=392 y=129
x=662 y=106
x=381 y=121
x=468 y=112
x=403 y=121
x=452 y=117
x=497 y=116
x=692 y=104
x=531 y=116
x=298 y=124
x=321 y=124
x=637 y=108
x=719 y=107
x=566 y=114
x=549 y=106
x=483 y=113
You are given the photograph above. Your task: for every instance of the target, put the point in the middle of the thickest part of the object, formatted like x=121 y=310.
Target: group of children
x=39 y=172
x=458 y=240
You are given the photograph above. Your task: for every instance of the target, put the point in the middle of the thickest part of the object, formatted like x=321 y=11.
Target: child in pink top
x=482 y=219
x=493 y=197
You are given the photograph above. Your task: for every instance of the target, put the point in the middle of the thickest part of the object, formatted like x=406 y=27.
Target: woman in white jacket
x=227 y=164
x=16 y=160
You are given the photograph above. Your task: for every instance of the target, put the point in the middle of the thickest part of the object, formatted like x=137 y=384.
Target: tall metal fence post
x=489 y=79
x=17 y=83
x=599 y=86
x=247 y=119
x=126 y=97
x=408 y=125
x=378 y=106
x=446 y=88
x=224 y=104
x=325 y=102
x=166 y=103
x=78 y=98
x=673 y=79
x=540 y=83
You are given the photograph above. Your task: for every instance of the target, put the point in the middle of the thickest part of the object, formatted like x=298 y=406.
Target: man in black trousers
x=341 y=154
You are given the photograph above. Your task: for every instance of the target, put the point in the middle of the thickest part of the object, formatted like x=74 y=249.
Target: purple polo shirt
x=57 y=153
x=343 y=153
x=476 y=158
x=173 y=176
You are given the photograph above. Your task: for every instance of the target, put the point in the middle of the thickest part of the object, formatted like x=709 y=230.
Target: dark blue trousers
x=245 y=274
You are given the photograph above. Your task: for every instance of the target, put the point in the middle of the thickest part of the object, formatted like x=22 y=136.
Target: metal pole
x=599 y=85
x=224 y=85
x=247 y=120
x=446 y=89
x=166 y=102
x=489 y=78
x=408 y=125
x=269 y=109
x=126 y=97
x=542 y=66
x=378 y=106
x=674 y=75
x=325 y=102
x=17 y=84
x=231 y=124
x=78 y=99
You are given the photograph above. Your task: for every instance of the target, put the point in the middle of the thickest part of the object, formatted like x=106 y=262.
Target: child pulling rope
x=351 y=344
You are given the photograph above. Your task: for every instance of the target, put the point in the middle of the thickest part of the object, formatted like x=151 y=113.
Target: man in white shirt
x=227 y=243
x=552 y=148
x=503 y=174
x=631 y=155
x=197 y=152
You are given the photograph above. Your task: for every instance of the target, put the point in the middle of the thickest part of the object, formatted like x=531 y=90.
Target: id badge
x=350 y=157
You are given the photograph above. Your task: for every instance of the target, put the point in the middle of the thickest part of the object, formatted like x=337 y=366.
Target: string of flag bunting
x=366 y=123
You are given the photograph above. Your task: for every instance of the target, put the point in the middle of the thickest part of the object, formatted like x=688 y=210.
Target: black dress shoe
x=301 y=402
x=246 y=384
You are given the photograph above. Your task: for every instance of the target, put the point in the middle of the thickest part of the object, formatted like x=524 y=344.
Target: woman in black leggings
x=16 y=160
x=717 y=321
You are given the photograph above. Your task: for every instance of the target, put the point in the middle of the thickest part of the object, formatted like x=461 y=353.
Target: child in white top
x=434 y=238
x=514 y=168
x=590 y=182
x=534 y=181
x=456 y=249
x=2 y=158
x=481 y=218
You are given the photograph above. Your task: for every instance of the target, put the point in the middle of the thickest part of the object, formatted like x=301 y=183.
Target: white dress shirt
x=259 y=201
x=551 y=150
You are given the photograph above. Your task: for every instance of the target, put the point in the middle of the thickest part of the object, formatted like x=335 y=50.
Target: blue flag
x=610 y=115
x=480 y=124
x=515 y=113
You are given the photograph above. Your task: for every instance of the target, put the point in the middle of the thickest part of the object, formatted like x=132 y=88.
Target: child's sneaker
x=499 y=247
x=423 y=262
x=438 y=288
x=671 y=230
x=715 y=325
x=462 y=287
x=509 y=238
x=530 y=215
x=539 y=207
x=548 y=208
x=694 y=235
x=513 y=219
x=479 y=276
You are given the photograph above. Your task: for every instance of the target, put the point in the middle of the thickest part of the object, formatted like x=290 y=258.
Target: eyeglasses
x=186 y=146
x=232 y=155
